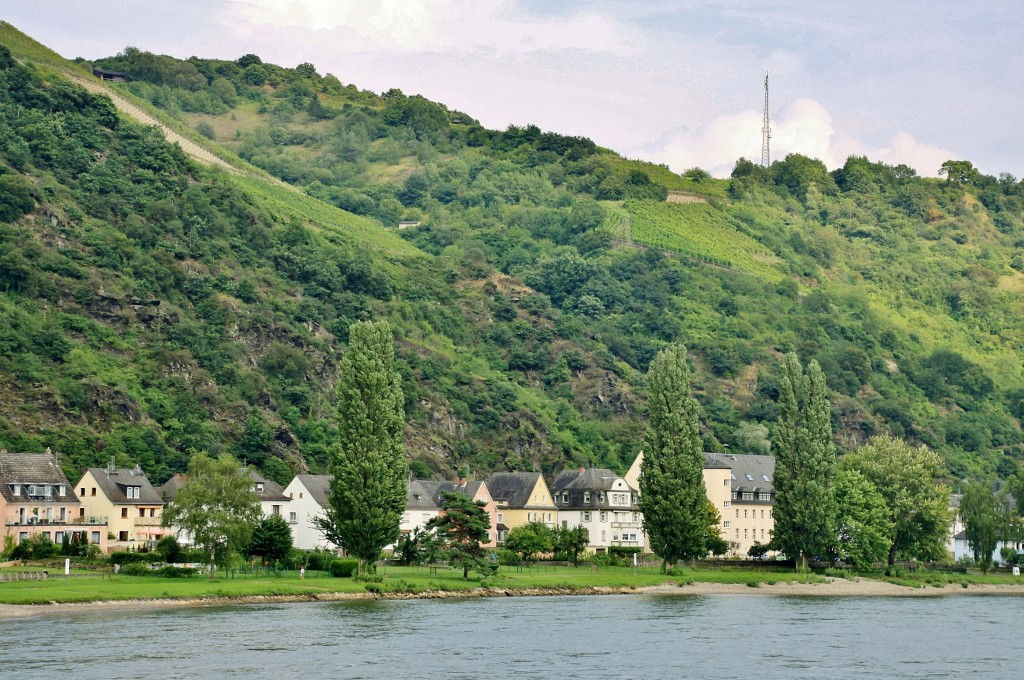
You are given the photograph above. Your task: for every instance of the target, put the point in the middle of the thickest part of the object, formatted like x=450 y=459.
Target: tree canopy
x=461 y=528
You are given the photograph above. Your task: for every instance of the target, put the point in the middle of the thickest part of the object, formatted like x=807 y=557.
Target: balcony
x=148 y=521
x=18 y=521
x=625 y=525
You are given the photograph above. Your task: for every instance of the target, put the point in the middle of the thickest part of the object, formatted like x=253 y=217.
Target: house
x=740 y=489
x=308 y=497
x=752 y=504
x=133 y=507
x=37 y=498
x=273 y=500
x=408 y=224
x=958 y=546
x=601 y=501
x=520 y=498
x=110 y=76
x=422 y=504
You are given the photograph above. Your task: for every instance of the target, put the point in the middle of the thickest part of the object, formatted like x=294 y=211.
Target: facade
x=307 y=498
x=37 y=498
x=750 y=516
x=422 y=504
x=520 y=498
x=133 y=507
x=601 y=501
x=273 y=500
x=478 y=491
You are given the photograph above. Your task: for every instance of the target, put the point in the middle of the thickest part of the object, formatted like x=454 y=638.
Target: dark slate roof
x=465 y=486
x=171 y=486
x=272 y=491
x=513 y=488
x=598 y=482
x=33 y=468
x=318 y=486
x=114 y=482
x=422 y=494
x=713 y=461
x=757 y=467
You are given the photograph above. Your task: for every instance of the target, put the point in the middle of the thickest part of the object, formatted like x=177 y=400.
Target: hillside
x=151 y=306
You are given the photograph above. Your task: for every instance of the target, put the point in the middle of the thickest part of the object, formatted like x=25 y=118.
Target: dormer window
x=16 y=488
x=259 y=487
x=132 y=492
x=61 y=490
x=586 y=496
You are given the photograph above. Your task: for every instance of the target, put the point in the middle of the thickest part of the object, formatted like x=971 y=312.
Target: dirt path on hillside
x=126 y=107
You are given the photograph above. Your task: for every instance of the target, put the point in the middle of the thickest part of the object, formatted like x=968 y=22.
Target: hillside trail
x=126 y=107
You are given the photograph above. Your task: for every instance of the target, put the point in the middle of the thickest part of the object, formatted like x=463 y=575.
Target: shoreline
x=860 y=587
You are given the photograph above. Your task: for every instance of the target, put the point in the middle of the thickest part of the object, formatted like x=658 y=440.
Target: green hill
x=152 y=306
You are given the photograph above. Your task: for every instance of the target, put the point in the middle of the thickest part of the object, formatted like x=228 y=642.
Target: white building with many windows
x=601 y=501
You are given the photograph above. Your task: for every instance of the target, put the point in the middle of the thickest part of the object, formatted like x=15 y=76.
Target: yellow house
x=717 y=485
x=520 y=498
x=133 y=507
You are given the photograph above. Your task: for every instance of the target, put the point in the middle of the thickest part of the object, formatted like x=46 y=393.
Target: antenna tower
x=766 y=129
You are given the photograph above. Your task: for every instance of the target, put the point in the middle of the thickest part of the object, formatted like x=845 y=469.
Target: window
x=726 y=524
x=749 y=478
x=152 y=512
x=58 y=536
x=142 y=512
x=62 y=516
x=737 y=534
x=124 y=513
x=275 y=509
x=762 y=514
x=748 y=495
x=291 y=495
x=93 y=492
x=292 y=518
x=501 y=517
x=259 y=487
x=744 y=514
x=565 y=524
x=725 y=482
x=61 y=490
x=300 y=494
x=764 y=497
x=586 y=496
x=586 y=516
x=726 y=504
x=600 y=497
x=122 y=536
x=95 y=538
x=604 y=515
x=81 y=492
x=744 y=533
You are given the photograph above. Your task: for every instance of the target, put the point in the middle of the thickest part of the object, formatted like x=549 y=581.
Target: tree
x=985 y=518
x=529 y=539
x=916 y=502
x=673 y=498
x=216 y=506
x=461 y=527
x=571 y=542
x=864 y=528
x=368 y=464
x=271 y=539
x=805 y=510
x=959 y=172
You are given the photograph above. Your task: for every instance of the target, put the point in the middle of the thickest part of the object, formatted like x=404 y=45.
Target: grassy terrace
x=415 y=580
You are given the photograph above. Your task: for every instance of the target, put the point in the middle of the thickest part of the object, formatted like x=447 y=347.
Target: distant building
x=408 y=224
x=110 y=76
x=37 y=498
x=133 y=507
x=601 y=501
x=308 y=498
x=520 y=498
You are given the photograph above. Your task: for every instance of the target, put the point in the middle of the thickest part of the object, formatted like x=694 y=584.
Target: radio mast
x=766 y=130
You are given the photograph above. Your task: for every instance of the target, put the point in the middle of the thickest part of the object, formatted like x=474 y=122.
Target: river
x=619 y=636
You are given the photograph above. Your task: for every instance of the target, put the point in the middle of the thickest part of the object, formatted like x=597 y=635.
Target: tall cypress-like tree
x=805 y=461
x=672 y=494
x=368 y=464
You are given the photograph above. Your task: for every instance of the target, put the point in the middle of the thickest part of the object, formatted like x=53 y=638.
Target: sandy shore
x=830 y=588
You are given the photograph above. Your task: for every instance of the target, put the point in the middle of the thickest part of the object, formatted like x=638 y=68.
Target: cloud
x=805 y=127
x=450 y=26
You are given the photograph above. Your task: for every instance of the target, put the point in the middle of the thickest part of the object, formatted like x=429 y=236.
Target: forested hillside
x=151 y=307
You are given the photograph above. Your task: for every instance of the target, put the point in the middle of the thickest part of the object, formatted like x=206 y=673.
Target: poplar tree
x=805 y=461
x=673 y=498
x=368 y=464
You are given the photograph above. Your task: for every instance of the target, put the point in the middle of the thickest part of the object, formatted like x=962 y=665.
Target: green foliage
x=368 y=465
x=672 y=494
x=986 y=522
x=460 y=529
x=271 y=539
x=806 y=510
x=571 y=543
x=917 y=502
x=344 y=568
x=529 y=539
x=216 y=507
x=865 y=529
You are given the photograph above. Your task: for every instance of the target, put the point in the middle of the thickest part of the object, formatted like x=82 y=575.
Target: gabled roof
x=24 y=469
x=468 y=487
x=513 y=488
x=422 y=494
x=114 y=482
x=318 y=486
x=589 y=488
x=751 y=472
x=272 y=491
x=589 y=479
x=170 y=487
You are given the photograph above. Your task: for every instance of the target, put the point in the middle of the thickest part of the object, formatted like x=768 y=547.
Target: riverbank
x=834 y=587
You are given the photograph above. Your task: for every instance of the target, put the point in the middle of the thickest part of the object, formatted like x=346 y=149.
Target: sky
x=679 y=82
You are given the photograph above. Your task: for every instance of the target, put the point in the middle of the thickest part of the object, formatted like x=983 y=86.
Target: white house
x=308 y=497
x=601 y=501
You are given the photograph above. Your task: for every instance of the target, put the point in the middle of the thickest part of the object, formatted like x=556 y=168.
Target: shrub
x=135 y=569
x=175 y=572
x=344 y=568
x=125 y=558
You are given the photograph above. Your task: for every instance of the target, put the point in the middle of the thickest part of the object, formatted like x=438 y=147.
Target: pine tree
x=368 y=464
x=672 y=493
x=805 y=460
x=461 y=528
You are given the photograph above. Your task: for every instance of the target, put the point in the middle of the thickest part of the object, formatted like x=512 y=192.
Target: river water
x=618 y=636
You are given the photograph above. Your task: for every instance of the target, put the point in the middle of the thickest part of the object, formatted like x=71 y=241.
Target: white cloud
x=804 y=127
x=451 y=26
